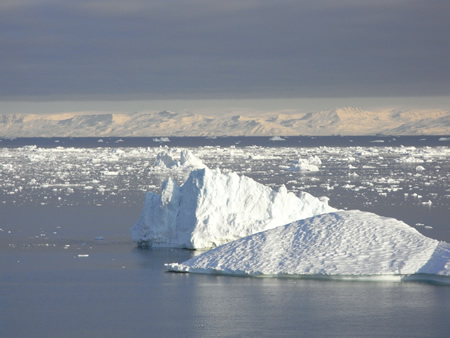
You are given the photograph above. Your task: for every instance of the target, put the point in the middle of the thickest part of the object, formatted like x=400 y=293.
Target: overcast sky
x=56 y=50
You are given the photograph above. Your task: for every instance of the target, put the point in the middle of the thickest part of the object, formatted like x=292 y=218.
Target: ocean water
x=69 y=267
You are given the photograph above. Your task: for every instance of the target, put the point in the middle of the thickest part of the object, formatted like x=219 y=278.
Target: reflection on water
x=269 y=307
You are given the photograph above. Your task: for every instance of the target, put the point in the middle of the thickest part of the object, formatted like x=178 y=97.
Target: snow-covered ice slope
x=342 y=244
x=212 y=208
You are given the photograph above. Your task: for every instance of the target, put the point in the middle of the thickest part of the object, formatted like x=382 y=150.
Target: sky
x=147 y=54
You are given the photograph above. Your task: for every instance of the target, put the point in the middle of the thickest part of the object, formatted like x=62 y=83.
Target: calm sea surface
x=69 y=267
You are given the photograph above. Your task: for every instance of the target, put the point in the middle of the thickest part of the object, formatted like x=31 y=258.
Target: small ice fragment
x=161 y=140
x=110 y=173
x=83 y=255
x=99 y=238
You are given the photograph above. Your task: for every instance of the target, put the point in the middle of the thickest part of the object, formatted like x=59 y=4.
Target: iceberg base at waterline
x=339 y=245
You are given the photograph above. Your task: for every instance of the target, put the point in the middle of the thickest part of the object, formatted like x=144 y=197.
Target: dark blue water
x=264 y=141
x=69 y=267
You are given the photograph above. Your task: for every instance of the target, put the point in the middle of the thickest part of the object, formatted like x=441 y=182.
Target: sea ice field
x=410 y=183
x=70 y=266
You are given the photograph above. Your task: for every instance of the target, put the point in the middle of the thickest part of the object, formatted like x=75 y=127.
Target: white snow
x=212 y=208
x=343 y=244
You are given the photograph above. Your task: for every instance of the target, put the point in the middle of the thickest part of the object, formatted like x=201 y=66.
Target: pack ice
x=343 y=244
x=212 y=208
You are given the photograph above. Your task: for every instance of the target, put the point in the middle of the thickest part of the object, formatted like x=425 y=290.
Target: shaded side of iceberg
x=212 y=208
x=343 y=245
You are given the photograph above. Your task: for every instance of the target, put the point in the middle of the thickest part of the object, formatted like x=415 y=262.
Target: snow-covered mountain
x=341 y=121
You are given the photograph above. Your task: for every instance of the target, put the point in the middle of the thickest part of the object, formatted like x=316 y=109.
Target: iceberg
x=310 y=164
x=212 y=208
x=187 y=160
x=342 y=244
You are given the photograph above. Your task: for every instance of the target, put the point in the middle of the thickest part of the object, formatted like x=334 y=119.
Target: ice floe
x=343 y=244
x=310 y=164
x=277 y=138
x=409 y=159
x=161 y=139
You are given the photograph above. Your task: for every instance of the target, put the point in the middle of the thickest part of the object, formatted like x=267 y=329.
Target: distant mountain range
x=341 y=121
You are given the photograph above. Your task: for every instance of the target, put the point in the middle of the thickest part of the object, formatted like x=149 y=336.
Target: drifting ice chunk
x=409 y=159
x=161 y=139
x=212 y=208
x=277 y=138
x=341 y=244
x=310 y=164
x=303 y=166
x=187 y=159
x=166 y=159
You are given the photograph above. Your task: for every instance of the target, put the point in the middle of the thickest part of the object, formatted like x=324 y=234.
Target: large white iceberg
x=344 y=244
x=212 y=208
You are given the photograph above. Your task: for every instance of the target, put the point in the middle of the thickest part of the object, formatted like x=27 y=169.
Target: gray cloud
x=223 y=49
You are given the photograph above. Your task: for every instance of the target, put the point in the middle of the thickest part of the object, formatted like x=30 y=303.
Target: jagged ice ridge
x=212 y=208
